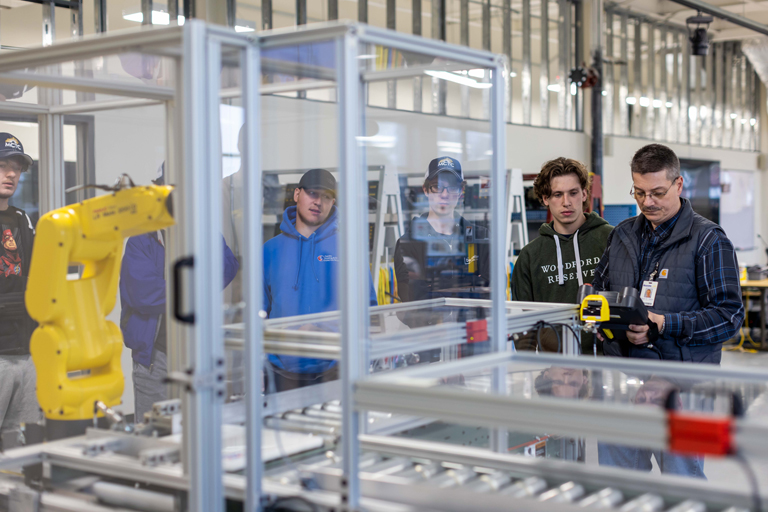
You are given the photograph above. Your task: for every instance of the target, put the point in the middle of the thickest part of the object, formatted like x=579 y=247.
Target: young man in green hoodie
x=553 y=266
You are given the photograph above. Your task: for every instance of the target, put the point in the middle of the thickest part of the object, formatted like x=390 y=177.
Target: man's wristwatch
x=663 y=324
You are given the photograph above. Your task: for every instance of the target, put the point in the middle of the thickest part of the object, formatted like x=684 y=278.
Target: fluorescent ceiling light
x=574 y=89
x=657 y=103
x=743 y=121
x=553 y=87
x=605 y=93
x=163 y=18
x=513 y=74
x=462 y=80
x=704 y=111
x=476 y=73
x=645 y=102
x=692 y=112
x=733 y=115
x=669 y=104
x=752 y=122
x=631 y=100
x=366 y=56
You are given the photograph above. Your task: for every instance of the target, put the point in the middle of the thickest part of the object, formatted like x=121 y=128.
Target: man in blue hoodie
x=301 y=272
x=142 y=318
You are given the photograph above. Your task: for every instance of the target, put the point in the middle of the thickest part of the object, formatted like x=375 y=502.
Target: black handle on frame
x=177 y=267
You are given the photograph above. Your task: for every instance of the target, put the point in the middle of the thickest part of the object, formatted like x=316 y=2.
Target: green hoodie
x=542 y=263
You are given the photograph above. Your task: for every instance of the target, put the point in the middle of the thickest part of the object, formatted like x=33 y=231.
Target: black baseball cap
x=444 y=164
x=318 y=179
x=10 y=146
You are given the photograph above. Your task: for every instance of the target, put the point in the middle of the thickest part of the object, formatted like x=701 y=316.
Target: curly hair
x=542 y=185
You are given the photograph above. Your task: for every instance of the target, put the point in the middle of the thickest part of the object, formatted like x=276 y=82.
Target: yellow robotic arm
x=74 y=334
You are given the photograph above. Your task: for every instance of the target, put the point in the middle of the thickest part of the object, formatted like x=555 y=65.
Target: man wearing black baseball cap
x=442 y=254
x=301 y=269
x=18 y=402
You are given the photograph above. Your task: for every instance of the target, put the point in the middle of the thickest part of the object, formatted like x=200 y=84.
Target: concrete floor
x=721 y=472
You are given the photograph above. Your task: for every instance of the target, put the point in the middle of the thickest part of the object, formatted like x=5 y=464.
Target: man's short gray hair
x=654 y=158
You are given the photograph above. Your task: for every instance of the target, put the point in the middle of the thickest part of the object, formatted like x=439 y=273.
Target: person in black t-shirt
x=18 y=402
x=442 y=254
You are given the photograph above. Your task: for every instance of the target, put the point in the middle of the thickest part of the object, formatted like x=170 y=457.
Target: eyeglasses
x=315 y=194
x=437 y=189
x=639 y=195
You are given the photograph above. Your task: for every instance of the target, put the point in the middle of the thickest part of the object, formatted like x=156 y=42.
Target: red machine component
x=691 y=434
x=477 y=331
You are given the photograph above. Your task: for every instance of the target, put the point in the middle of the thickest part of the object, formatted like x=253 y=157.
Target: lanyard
x=655 y=272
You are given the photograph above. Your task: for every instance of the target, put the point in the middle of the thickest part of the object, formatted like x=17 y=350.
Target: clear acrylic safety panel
x=429 y=232
x=302 y=262
x=571 y=380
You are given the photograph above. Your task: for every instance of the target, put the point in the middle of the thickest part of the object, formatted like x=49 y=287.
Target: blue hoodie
x=301 y=277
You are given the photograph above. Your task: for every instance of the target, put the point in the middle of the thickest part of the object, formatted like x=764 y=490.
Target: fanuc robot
x=76 y=350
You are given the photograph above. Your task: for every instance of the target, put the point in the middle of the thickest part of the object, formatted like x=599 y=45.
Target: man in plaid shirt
x=686 y=271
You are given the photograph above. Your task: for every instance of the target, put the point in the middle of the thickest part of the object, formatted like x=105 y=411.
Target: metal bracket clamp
x=159 y=456
x=193 y=383
x=100 y=446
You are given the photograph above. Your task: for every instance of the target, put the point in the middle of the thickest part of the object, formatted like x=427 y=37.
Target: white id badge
x=648 y=292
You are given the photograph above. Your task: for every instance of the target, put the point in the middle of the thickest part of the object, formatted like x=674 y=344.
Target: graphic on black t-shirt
x=10 y=260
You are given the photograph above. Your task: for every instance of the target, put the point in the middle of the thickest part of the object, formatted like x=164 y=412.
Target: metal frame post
x=266 y=14
x=607 y=79
x=686 y=88
x=202 y=161
x=333 y=9
x=526 y=77
x=353 y=297
x=664 y=80
x=100 y=15
x=418 y=83
x=544 y=70
x=637 y=80
x=252 y=272
x=650 y=121
x=49 y=23
x=498 y=230
x=597 y=89
x=563 y=53
x=146 y=12
x=51 y=162
x=624 y=76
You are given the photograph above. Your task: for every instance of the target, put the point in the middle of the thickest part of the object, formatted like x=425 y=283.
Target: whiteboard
x=737 y=207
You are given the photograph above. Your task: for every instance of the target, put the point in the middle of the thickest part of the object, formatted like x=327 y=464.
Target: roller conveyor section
x=607 y=498
x=526 y=488
x=453 y=477
x=566 y=493
x=421 y=472
x=479 y=480
x=305 y=428
x=644 y=503
x=390 y=466
x=490 y=482
x=689 y=506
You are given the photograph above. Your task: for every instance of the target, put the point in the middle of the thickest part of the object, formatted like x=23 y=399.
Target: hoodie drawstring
x=314 y=246
x=578 y=256
x=560 y=276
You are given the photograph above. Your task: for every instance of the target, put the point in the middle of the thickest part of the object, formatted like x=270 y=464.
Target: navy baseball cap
x=444 y=164
x=318 y=179
x=10 y=146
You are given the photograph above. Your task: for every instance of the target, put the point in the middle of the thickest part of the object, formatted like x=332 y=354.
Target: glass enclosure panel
x=302 y=254
x=583 y=379
x=429 y=214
